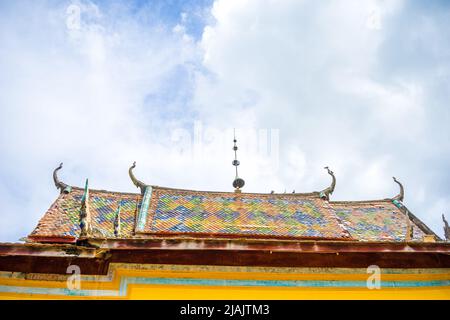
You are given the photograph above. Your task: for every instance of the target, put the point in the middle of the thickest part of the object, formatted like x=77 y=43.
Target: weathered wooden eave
x=94 y=257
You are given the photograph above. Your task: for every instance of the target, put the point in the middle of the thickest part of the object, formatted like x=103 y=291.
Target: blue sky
x=360 y=86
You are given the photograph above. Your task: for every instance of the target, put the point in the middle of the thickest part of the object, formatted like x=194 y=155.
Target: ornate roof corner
x=59 y=184
x=401 y=195
x=446 y=228
x=136 y=182
x=325 y=193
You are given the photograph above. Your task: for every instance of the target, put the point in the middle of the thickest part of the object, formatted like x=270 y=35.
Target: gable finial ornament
x=401 y=195
x=136 y=182
x=325 y=193
x=59 y=184
x=446 y=228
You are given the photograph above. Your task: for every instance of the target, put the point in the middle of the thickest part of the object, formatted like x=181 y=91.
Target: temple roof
x=167 y=212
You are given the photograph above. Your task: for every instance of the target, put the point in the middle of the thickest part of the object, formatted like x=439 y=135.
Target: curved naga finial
x=401 y=195
x=59 y=185
x=325 y=193
x=136 y=182
x=446 y=229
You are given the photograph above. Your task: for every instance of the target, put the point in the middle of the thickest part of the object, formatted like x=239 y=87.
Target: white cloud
x=128 y=86
x=78 y=95
x=316 y=71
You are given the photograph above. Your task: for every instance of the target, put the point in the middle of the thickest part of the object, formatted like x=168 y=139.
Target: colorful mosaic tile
x=63 y=218
x=228 y=213
x=174 y=211
x=371 y=222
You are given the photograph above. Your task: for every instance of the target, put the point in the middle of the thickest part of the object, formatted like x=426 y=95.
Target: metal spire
x=238 y=183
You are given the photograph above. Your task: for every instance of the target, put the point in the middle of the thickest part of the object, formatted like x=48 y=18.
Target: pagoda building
x=165 y=243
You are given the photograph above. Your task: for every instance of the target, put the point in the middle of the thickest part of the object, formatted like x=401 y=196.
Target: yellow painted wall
x=21 y=286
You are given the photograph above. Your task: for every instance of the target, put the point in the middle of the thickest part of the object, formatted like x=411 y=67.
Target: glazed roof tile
x=375 y=220
x=175 y=212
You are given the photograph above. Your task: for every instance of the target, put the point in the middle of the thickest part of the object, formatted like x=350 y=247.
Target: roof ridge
x=313 y=193
x=361 y=201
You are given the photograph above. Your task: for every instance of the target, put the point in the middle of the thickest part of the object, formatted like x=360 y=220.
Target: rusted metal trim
x=163 y=234
x=48 y=250
x=92 y=248
x=293 y=246
x=52 y=239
